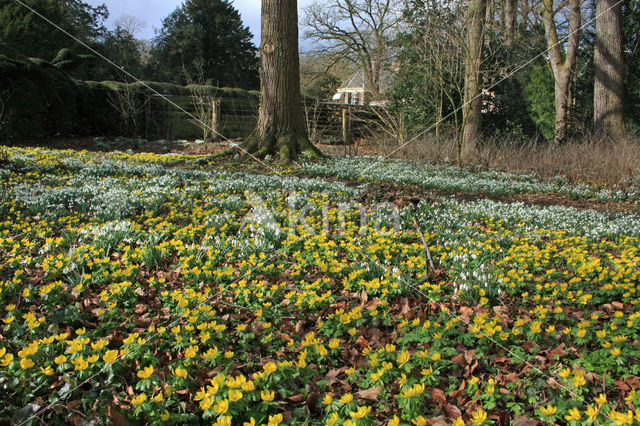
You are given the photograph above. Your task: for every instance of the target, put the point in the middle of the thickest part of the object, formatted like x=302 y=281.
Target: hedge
x=41 y=101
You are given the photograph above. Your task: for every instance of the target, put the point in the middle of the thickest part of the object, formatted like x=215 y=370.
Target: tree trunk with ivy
x=281 y=128
x=471 y=108
x=562 y=63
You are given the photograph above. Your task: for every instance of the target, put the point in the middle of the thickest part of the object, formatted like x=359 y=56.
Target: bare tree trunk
x=281 y=126
x=608 y=93
x=510 y=8
x=563 y=68
x=476 y=16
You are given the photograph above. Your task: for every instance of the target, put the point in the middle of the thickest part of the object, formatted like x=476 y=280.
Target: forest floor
x=151 y=287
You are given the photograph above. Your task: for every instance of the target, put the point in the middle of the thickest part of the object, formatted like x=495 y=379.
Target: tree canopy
x=27 y=34
x=207 y=36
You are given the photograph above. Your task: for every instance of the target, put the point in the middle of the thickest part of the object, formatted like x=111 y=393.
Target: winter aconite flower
x=574 y=414
x=145 y=373
x=110 y=356
x=361 y=413
x=180 y=372
x=139 y=399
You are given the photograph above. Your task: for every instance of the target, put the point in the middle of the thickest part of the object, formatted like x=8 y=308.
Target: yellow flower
x=270 y=367
x=251 y=422
x=361 y=413
x=549 y=410
x=165 y=416
x=7 y=360
x=402 y=380
x=574 y=414
x=248 y=386
x=206 y=403
x=615 y=352
x=158 y=398
x=48 y=371
x=458 y=422
x=419 y=421
x=146 y=372
x=478 y=417
x=110 y=356
x=403 y=358
x=491 y=386
x=275 y=420
x=26 y=363
x=180 y=372
x=473 y=380
x=565 y=373
x=222 y=406
x=80 y=363
x=267 y=395
x=346 y=398
x=333 y=420
x=601 y=400
x=328 y=399
x=622 y=418
x=578 y=379
x=334 y=343
x=235 y=395
x=436 y=357
x=395 y=421
x=592 y=413
x=223 y=421
x=139 y=399
x=228 y=354
x=60 y=359
x=191 y=352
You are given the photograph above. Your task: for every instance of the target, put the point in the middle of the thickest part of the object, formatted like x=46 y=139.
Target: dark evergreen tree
x=205 y=40
x=25 y=33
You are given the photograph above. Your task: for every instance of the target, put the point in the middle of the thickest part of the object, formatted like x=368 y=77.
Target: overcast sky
x=152 y=12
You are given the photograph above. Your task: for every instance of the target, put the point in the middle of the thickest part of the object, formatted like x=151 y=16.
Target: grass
x=154 y=289
x=605 y=163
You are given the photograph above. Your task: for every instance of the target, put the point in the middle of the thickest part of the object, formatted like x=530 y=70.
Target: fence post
x=346 y=125
x=216 y=118
x=147 y=118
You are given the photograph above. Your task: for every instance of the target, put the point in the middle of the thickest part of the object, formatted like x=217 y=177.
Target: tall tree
x=429 y=84
x=471 y=108
x=608 y=112
x=562 y=63
x=209 y=32
x=510 y=9
x=356 y=30
x=32 y=36
x=631 y=36
x=281 y=127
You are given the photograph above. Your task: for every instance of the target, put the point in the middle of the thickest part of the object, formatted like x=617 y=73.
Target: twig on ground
x=426 y=247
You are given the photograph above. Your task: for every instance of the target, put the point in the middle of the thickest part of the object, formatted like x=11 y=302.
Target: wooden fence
x=184 y=117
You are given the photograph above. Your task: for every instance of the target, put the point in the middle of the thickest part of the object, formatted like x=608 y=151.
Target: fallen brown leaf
x=370 y=394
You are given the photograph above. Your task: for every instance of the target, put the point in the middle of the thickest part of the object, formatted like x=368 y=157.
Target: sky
x=152 y=12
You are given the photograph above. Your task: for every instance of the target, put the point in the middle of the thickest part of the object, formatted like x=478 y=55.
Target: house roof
x=357 y=81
